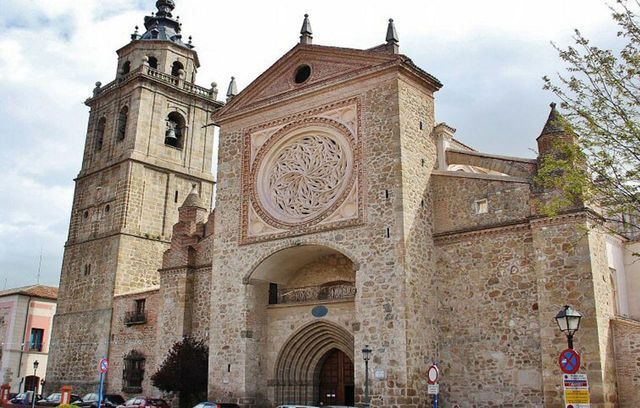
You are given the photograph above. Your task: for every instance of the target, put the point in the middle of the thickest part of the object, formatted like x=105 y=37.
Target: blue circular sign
x=319 y=311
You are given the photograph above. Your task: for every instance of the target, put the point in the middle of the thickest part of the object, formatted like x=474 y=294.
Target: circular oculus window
x=304 y=175
x=303 y=72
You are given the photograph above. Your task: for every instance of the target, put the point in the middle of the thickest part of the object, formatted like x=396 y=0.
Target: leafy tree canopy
x=600 y=99
x=185 y=371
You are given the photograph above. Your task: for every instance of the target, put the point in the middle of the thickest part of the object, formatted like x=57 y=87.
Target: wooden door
x=336 y=379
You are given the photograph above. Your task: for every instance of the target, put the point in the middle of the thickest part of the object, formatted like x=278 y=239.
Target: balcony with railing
x=154 y=74
x=327 y=292
x=135 y=317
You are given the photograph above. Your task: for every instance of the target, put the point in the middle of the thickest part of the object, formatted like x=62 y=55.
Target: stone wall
x=627 y=361
x=329 y=268
x=129 y=337
x=489 y=344
x=454 y=197
x=379 y=279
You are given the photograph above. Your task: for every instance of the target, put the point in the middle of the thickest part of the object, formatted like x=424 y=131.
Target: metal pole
x=35 y=389
x=101 y=390
x=570 y=341
x=366 y=382
x=435 y=401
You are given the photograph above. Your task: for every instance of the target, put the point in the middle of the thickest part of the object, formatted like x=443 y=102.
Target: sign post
x=433 y=375
x=103 y=367
x=576 y=391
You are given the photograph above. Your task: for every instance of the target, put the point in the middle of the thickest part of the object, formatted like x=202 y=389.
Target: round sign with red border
x=104 y=365
x=433 y=374
x=569 y=361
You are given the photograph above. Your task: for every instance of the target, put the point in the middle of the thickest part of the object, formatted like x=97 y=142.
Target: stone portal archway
x=299 y=363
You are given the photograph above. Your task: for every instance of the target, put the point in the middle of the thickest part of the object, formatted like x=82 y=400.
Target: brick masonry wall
x=627 y=359
x=139 y=337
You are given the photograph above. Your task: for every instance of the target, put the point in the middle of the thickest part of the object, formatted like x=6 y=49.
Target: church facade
x=344 y=217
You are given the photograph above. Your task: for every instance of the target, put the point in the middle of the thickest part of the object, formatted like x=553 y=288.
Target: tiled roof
x=42 y=291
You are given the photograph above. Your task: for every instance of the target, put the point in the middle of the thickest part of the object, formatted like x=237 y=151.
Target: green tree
x=600 y=99
x=185 y=371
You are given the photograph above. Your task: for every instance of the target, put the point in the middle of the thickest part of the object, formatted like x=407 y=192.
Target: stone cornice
x=150 y=289
x=188 y=268
x=626 y=321
x=492 y=177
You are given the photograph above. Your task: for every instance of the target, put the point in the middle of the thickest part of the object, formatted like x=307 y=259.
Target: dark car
x=110 y=401
x=210 y=404
x=23 y=398
x=53 y=400
x=145 y=402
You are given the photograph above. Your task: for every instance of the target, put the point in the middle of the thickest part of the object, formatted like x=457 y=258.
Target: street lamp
x=569 y=322
x=366 y=356
x=35 y=383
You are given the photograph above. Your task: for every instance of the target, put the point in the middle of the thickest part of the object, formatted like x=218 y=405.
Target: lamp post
x=35 y=384
x=568 y=321
x=366 y=355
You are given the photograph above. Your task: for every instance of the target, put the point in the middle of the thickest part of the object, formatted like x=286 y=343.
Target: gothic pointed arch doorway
x=316 y=365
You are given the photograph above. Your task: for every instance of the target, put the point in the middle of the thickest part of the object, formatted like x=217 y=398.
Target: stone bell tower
x=147 y=144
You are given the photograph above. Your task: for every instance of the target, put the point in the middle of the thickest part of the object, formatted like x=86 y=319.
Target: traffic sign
x=433 y=374
x=569 y=361
x=433 y=389
x=576 y=391
x=104 y=365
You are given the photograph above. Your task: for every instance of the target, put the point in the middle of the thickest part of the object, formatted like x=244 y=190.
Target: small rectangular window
x=481 y=206
x=35 y=341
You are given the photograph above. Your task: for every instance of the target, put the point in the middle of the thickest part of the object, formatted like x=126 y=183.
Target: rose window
x=305 y=175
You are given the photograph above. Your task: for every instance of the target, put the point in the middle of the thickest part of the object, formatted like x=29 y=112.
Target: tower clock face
x=304 y=175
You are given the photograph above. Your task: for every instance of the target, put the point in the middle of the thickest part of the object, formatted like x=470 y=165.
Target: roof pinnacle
x=233 y=88
x=306 y=34
x=392 y=37
x=554 y=122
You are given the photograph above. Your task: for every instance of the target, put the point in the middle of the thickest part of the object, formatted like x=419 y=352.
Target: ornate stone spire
x=306 y=35
x=392 y=37
x=162 y=26
x=233 y=88
x=165 y=7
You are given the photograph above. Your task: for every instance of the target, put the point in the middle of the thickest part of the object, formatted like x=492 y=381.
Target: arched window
x=102 y=124
x=175 y=69
x=133 y=372
x=122 y=122
x=126 y=68
x=174 y=134
x=153 y=62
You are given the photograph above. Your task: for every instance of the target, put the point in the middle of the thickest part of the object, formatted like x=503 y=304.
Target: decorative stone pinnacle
x=553 y=105
x=392 y=37
x=306 y=34
x=233 y=88
x=165 y=7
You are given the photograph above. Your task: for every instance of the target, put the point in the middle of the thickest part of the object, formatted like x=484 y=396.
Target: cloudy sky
x=490 y=55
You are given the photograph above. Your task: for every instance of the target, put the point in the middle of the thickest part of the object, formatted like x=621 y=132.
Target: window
x=302 y=74
x=102 y=124
x=175 y=69
x=273 y=293
x=153 y=62
x=126 y=68
x=175 y=128
x=138 y=315
x=133 y=372
x=87 y=269
x=122 y=122
x=35 y=341
x=481 y=206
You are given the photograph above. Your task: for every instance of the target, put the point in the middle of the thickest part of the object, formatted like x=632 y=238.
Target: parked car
x=23 y=398
x=210 y=404
x=109 y=401
x=53 y=400
x=145 y=402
